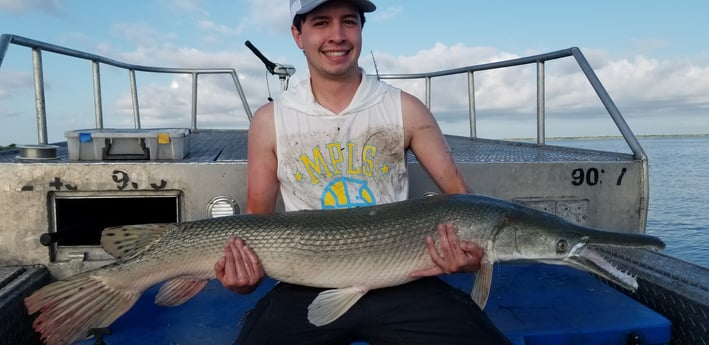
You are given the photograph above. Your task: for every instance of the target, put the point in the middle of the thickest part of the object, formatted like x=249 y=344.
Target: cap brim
x=365 y=5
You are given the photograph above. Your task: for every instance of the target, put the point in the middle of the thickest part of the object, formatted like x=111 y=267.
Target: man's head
x=299 y=8
x=329 y=32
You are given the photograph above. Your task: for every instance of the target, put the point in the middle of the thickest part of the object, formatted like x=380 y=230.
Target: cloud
x=142 y=34
x=270 y=15
x=13 y=80
x=187 y=6
x=386 y=13
x=213 y=27
x=14 y=86
x=18 y=6
x=163 y=105
x=643 y=88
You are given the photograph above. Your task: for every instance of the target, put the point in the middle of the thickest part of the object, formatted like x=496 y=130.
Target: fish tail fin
x=68 y=309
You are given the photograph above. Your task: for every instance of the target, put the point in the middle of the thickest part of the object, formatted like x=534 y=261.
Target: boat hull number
x=594 y=176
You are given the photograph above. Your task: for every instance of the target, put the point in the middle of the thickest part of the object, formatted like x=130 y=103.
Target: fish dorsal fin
x=179 y=290
x=483 y=282
x=331 y=304
x=125 y=242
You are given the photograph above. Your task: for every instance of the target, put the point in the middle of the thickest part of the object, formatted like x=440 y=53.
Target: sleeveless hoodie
x=354 y=158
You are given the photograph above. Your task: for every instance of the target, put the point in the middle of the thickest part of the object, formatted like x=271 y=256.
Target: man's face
x=331 y=37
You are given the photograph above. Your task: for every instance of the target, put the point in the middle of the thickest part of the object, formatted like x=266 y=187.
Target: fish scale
x=349 y=252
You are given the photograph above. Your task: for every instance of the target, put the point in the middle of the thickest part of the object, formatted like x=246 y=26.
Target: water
x=679 y=191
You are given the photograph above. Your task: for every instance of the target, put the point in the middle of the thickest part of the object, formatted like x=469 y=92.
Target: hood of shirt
x=300 y=98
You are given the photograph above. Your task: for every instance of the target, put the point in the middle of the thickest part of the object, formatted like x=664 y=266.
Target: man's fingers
x=234 y=260
x=450 y=246
x=471 y=247
x=433 y=251
x=452 y=236
x=427 y=272
x=219 y=268
x=250 y=263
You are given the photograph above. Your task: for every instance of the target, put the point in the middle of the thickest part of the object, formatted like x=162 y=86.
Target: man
x=338 y=139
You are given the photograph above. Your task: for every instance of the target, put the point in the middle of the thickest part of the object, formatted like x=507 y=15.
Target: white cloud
x=386 y=13
x=642 y=88
x=269 y=15
x=49 y=6
x=212 y=27
x=187 y=6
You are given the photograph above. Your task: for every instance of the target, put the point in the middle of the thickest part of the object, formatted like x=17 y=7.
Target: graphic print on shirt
x=346 y=170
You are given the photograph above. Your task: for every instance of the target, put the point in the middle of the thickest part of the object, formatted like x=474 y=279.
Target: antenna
x=282 y=71
x=376 y=69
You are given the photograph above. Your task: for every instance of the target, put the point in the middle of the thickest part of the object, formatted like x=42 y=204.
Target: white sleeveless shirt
x=328 y=160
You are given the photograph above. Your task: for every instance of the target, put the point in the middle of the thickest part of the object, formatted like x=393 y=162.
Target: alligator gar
x=348 y=251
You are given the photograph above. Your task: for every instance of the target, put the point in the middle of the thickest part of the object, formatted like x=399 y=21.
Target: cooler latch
x=126 y=152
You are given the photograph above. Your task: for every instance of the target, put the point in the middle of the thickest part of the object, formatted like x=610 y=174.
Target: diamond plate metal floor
x=230 y=145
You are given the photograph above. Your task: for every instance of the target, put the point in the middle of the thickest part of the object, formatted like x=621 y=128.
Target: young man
x=338 y=139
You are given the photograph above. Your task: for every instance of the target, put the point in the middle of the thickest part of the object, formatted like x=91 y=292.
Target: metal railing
x=539 y=60
x=38 y=47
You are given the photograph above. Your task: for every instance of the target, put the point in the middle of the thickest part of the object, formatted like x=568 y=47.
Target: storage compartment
x=79 y=218
x=128 y=144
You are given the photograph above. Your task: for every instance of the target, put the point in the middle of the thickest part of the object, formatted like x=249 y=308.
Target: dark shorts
x=426 y=311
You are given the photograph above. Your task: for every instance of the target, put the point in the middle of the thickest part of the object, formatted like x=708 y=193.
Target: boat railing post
x=471 y=104
x=541 y=136
x=613 y=111
x=134 y=97
x=241 y=93
x=194 y=100
x=39 y=96
x=5 y=40
x=428 y=92
x=98 y=107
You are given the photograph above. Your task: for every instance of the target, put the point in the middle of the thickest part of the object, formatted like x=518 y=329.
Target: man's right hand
x=239 y=269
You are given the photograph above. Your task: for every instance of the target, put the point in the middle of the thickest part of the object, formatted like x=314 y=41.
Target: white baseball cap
x=305 y=6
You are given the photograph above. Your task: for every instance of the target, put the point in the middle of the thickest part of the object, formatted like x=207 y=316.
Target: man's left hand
x=454 y=255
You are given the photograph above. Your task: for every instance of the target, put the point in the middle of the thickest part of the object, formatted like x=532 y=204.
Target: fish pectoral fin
x=331 y=304
x=177 y=291
x=125 y=242
x=483 y=281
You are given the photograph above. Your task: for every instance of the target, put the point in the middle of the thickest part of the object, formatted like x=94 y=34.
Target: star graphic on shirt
x=384 y=169
x=299 y=176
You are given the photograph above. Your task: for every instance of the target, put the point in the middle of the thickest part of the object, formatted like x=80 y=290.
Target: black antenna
x=376 y=69
x=270 y=66
x=282 y=71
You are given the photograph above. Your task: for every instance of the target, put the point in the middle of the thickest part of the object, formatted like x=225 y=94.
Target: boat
x=55 y=199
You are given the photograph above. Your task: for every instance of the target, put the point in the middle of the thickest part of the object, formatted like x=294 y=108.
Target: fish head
x=538 y=240
x=539 y=236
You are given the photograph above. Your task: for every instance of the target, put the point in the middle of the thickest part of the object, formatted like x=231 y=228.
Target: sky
x=651 y=56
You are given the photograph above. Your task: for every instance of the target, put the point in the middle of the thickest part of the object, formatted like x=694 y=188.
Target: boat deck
x=530 y=303
x=230 y=145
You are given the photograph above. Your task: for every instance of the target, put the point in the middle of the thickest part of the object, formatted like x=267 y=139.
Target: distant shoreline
x=602 y=137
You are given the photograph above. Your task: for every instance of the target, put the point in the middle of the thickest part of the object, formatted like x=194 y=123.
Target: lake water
x=679 y=190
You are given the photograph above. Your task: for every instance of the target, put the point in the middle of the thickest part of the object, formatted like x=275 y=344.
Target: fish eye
x=562 y=246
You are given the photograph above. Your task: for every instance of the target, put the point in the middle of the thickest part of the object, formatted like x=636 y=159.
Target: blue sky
x=652 y=56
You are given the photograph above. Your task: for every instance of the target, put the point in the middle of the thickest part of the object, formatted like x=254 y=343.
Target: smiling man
x=339 y=139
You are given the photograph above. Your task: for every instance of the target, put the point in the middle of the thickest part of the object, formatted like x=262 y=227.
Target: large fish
x=350 y=251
